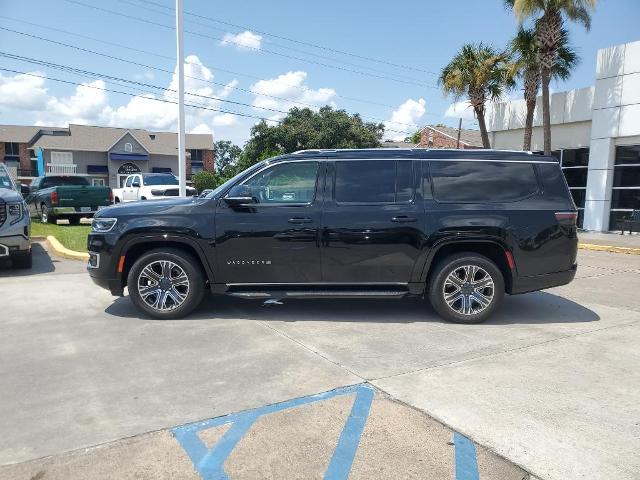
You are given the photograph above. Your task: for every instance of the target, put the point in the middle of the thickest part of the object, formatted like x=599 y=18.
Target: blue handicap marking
x=209 y=463
x=465 y=456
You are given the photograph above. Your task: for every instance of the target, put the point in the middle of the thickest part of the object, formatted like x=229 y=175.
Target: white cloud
x=24 y=92
x=460 y=110
x=246 y=40
x=405 y=117
x=142 y=76
x=289 y=86
x=26 y=98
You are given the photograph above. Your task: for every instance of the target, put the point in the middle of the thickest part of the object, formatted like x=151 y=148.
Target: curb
x=63 y=251
x=609 y=248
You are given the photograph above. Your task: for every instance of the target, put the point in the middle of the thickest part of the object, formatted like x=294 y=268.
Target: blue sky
x=420 y=34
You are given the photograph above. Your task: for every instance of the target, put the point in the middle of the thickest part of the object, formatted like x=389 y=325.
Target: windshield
x=232 y=180
x=160 y=180
x=5 y=180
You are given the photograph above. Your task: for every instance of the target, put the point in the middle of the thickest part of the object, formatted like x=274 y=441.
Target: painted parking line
x=209 y=463
x=465 y=458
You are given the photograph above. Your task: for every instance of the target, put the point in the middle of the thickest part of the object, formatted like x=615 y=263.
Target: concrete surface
x=550 y=383
x=613 y=239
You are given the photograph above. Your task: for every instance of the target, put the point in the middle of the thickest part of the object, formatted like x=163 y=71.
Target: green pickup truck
x=68 y=197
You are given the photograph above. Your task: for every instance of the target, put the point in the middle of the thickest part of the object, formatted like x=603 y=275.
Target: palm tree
x=524 y=51
x=479 y=72
x=549 y=17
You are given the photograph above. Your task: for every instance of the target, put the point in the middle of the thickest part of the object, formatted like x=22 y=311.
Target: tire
x=141 y=276
x=22 y=261
x=75 y=220
x=466 y=304
x=45 y=217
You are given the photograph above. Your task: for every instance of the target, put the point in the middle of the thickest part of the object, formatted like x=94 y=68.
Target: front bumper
x=15 y=240
x=102 y=264
x=541 y=282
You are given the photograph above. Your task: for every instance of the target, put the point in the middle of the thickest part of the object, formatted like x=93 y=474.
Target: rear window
x=63 y=181
x=482 y=182
x=374 y=181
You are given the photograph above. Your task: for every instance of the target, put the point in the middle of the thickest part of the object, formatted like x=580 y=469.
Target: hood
x=150 y=207
x=10 y=195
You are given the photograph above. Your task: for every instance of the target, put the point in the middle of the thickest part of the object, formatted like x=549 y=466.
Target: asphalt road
x=550 y=383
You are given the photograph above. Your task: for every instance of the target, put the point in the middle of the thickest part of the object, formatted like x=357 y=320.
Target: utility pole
x=182 y=157
x=459 y=130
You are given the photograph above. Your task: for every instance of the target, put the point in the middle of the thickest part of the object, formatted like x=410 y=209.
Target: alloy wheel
x=163 y=285
x=468 y=289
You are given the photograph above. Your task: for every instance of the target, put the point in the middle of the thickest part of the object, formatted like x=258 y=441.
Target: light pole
x=182 y=158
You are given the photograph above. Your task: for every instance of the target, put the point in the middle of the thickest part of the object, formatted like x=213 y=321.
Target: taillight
x=110 y=196
x=54 y=197
x=569 y=219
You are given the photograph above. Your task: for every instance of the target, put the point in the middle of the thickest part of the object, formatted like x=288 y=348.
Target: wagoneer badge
x=248 y=262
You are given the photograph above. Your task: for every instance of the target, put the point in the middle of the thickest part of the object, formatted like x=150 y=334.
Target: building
x=595 y=135
x=447 y=137
x=105 y=155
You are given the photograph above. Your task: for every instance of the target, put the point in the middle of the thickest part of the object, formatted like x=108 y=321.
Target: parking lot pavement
x=550 y=383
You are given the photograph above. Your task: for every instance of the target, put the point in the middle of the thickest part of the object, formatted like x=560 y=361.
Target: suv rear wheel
x=466 y=288
x=166 y=284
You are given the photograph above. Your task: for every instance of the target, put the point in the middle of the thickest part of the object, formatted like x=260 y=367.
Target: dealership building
x=595 y=135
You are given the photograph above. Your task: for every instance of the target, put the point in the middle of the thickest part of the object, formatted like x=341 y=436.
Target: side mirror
x=25 y=189
x=239 y=195
x=135 y=184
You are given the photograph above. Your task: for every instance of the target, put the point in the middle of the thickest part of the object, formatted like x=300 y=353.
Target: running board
x=282 y=294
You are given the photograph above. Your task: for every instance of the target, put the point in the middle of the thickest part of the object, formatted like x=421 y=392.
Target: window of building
x=285 y=183
x=625 y=196
x=374 y=181
x=128 y=147
x=196 y=156
x=65 y=158
x=483 y=182
x=575 y=166
x=98 y=182
x=11 y=151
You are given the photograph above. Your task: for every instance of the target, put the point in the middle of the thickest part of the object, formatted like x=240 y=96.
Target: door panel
x=275 y=239
x=376 y=242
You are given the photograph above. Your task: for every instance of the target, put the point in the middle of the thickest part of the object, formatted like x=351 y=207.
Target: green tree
x=549 y=19
x=304 y=128
x=480 y=73
x=525 y=65
x=204 y=180
x=227 y=155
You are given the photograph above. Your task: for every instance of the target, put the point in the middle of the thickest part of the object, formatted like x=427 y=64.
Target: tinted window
x=482 y=182
x=159 y=180
x=626 y=176
x=63 y=181
x=374 y=181
x=628 y=155
x=285 y=183
x=578 y=157
x=576 y=177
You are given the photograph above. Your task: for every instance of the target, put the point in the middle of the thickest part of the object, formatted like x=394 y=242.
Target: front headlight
x=103 y=225
x=15 y=211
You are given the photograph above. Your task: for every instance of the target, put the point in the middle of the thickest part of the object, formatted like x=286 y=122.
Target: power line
x=272 y=52
x=170 y=72
x=300 y=42
x=279 y=45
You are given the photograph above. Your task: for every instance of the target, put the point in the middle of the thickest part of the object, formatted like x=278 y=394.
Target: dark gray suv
x=15 y=224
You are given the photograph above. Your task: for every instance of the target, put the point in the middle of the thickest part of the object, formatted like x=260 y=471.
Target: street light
x=182 y=160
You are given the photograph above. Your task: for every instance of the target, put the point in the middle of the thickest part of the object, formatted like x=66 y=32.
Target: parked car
x=15 y=224
x=149 y=186
x=70 y=197
x=459 y=227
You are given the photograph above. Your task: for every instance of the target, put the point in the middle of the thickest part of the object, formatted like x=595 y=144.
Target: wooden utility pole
x=459 y=131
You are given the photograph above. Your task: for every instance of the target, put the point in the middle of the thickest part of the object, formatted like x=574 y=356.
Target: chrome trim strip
x=6 y=251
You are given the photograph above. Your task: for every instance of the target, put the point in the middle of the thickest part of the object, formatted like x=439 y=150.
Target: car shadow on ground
x=42 y=263
x=533 y=308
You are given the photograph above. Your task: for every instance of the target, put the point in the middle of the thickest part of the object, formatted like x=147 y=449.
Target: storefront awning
x=97 y=169
x=128 y=156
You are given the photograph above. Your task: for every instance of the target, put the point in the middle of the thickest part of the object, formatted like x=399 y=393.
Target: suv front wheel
x=466 y=288
x=166 y=284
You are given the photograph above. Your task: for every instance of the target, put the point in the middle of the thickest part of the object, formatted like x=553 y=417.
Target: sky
x=250 y=59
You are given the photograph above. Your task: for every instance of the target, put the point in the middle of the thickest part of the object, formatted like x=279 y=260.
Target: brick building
x=104 y=155
x=446 y=137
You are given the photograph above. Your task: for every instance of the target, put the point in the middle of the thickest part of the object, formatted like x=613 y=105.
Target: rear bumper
x=540 y=282
x=61 y=211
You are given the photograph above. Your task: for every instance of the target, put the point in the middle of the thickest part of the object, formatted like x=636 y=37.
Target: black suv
x=461 y=227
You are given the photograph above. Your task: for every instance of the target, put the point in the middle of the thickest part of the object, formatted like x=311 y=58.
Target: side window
x=374 y=181
x=482 y=182
x=293 y=182
x=129 y=181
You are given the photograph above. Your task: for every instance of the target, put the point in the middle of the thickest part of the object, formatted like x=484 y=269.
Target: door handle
x=403 y=219
x=300 y=220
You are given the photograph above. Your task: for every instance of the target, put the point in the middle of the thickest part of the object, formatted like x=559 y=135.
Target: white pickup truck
x=149 y=186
